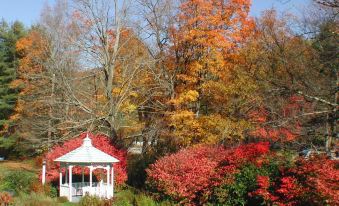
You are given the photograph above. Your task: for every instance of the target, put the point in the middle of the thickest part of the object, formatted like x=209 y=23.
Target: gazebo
x=86 y=156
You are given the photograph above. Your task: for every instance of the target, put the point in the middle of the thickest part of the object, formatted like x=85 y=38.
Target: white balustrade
x=99 y=189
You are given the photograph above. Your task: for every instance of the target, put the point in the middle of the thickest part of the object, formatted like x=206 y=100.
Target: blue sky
x=28 y=11
x=293 y=6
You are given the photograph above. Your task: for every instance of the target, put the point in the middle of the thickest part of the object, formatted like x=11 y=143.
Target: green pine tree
x=9 y=34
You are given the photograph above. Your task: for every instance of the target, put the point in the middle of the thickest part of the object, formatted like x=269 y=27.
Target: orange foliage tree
x=31 y=109
x=204 y=49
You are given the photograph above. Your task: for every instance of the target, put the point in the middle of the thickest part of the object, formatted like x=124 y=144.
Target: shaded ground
x=17 y=165
x=13 y=165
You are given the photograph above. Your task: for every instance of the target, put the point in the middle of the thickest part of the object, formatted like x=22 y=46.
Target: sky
x=28 y=11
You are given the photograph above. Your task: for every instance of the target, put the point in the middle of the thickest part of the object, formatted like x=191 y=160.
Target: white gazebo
x=86 y=156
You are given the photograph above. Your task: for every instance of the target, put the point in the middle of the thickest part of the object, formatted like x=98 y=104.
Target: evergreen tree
x=9 y=34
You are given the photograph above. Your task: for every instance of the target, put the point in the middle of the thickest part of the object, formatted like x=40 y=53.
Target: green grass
x=130 y=197
x=127 y=196
x=34 y=199
x=10 y=170
x=68 y=204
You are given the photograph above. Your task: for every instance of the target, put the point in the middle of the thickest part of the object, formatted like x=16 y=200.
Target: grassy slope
x=124 y=197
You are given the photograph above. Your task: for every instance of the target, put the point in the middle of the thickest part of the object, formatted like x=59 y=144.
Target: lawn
x=20 y=180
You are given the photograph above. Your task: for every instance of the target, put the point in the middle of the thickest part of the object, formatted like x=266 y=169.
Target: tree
x=31 y=111
x=296 y=90
x=46 y=61
x=100 y=27
x=330 y=3
x=116 y=74
x=9 y=35
x=193 y=71
x=326 y=45
x=60 y=97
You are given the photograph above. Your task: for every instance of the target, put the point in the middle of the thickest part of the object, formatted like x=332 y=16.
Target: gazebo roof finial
x=86 y=153
x=87 y=141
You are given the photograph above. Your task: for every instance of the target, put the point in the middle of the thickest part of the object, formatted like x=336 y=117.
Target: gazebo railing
x=81 y=188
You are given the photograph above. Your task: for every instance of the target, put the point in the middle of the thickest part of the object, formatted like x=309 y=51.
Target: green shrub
x=88 y=200
x=34 y=199
x=19 y=181
x=236 y=193
x=125 y=196
x=245 y=181
x=122 y=202
x=130 y=197
x=143 y=200
x=53 y=192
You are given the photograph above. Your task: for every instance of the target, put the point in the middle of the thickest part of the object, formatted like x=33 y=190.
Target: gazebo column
x=108 y=185
x=66 y=175
x=43 y=178
x=70 y=182
x=60 y=176
x=90 y=178
x=112 y=180
x=83 y=176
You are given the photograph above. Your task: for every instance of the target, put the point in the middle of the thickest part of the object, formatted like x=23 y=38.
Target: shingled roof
x=87 y=153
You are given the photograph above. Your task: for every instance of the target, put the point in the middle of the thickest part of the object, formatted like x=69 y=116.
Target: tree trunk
x=50 y=114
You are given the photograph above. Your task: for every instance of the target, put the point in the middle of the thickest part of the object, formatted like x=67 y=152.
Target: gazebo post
x=60 y=176
x=43 y=178
x=90 y=178
x=107 y=185
x=112 y=180
x=70 y=182
x=83 y=176
x=66 y=175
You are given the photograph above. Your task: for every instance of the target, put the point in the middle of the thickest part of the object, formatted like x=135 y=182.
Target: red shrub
x=262 y=191
x=99 y=141
x=190 y=175
x=313 y=182
x=320 y=175
x=249 y=152
x=290 y=190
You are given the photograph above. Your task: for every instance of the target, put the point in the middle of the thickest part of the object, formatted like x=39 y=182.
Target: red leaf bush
x=320 y=176
x=190 y=175
x=248 y=174
x=99 y=141
x=309 y=182
x=262 y=191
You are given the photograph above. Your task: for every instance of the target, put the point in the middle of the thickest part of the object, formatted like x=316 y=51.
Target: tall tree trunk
x=50 y=114
x=332 y=121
